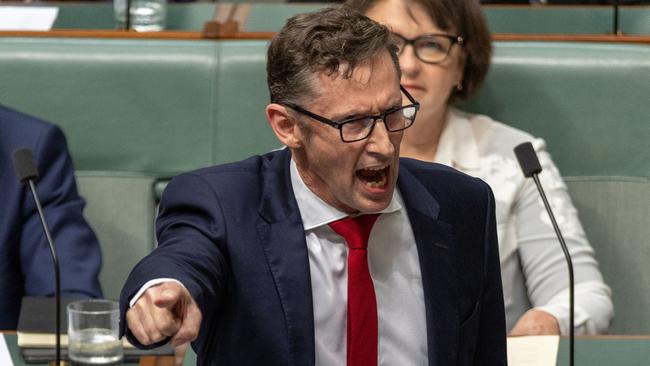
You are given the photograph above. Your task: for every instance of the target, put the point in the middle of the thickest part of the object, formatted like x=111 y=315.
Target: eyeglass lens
x=397 y=120
x=428 y=48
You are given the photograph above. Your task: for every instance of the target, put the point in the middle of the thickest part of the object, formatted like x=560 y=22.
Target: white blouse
x=533 y=267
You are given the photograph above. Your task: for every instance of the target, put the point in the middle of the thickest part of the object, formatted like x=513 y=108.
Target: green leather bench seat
x=616 y=212
x=180 y=16
x=589 y=101
x=270 y=16
x=156 y=107
x=124 y=106
x=635 y=19
x=550 y=19
x=120 y=208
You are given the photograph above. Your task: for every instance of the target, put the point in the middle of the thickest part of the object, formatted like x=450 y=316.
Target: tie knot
x=355 y=230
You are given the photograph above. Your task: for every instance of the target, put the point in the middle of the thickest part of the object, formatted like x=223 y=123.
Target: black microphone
x=531 y=168
x=27 y=173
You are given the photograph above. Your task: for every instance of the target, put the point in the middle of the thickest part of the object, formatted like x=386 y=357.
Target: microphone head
x=528 y=159
x=24 y=164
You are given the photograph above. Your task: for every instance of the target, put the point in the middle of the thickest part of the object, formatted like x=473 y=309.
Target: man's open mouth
x=374 y=177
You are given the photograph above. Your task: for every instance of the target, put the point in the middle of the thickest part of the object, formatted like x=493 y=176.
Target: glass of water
x=146 y=15
x=93 y=333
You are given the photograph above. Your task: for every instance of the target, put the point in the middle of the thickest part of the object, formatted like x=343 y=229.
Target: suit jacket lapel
x=439 y=280
x=282 y=236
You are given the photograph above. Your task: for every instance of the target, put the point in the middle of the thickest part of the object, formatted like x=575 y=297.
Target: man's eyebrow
x=350 y=114
x=353 y=115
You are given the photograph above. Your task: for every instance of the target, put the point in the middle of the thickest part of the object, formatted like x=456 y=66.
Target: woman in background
x=444 y=50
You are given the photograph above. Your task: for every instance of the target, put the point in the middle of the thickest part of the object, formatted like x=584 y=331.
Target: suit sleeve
x=491 y=347
x=191 y=232
x=78 y=251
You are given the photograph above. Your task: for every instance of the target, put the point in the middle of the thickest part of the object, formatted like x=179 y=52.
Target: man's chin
x=375 y=203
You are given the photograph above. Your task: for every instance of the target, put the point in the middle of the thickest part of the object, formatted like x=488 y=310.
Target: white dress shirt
x=533 y=269
x=395 y=271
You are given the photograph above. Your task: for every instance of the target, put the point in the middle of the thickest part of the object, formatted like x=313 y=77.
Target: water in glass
x=95 y=346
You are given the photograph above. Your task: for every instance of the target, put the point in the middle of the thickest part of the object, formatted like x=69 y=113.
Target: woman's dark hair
x=465 y=18
x=322 y=41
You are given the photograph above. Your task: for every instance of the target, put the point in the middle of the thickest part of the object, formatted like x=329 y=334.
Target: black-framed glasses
x=359 y=128
x=431 y=48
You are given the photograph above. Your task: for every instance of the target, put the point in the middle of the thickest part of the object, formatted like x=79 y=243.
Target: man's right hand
x=165 y=310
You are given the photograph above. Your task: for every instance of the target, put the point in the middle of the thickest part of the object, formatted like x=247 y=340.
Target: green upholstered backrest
x=85 y=16
x=241 y=96
x=270 y=15
x=263 y=16
x=159 y=107
x=91 y=15
x=124 y=105
x=616 y=214
x=120 y=209
x=501 y=19
x=589 y=101
x=550 y=19
x=634 y=19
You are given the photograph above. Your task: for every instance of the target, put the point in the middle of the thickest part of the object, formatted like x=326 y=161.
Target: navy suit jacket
x=25 y=261
x=233 y=236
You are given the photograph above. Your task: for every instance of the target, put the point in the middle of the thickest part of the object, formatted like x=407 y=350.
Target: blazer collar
x=282 y=237
x=458 y=147
x=277 y=201
x=437 y=257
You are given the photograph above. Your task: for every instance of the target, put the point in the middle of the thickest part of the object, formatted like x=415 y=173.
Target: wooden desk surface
x=192 y=35
x=604 y=350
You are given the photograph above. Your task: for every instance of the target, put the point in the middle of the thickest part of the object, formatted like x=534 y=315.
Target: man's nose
x=380 y=139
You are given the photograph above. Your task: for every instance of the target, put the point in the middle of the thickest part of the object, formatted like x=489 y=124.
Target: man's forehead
x=364 y=73
x=368 y=78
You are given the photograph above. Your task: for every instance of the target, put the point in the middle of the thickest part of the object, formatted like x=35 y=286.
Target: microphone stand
x=27 y=173
x=57 y=276
x=531 y=167
x=569 y=262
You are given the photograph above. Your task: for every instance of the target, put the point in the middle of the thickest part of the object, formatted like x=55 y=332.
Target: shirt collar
x=315 y=212
x=457 y=146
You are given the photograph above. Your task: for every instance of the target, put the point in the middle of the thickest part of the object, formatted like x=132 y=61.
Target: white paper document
x=29 y=18
x=5 y=357
x=533 y=350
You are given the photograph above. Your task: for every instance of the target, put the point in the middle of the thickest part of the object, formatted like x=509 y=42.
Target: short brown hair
x=466 y=19
x=322 y=41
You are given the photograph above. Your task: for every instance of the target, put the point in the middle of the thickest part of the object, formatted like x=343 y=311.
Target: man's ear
x=284 y=125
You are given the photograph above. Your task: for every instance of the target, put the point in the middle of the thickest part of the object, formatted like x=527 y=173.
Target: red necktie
x=362 y=305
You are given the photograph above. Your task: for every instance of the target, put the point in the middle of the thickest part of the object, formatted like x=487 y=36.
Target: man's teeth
x=375 y=177
x=377 y=184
